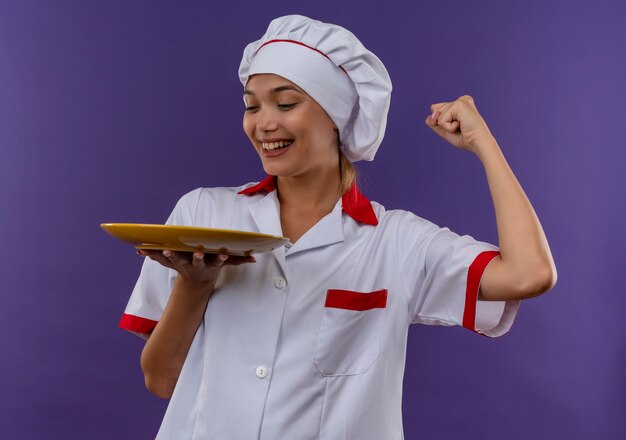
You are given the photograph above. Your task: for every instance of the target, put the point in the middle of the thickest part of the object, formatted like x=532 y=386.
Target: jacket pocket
x=349 y=337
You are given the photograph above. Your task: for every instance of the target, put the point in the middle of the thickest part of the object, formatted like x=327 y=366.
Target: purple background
x=109 y=111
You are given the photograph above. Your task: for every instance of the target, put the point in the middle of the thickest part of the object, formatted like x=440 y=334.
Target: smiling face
x=290 y=131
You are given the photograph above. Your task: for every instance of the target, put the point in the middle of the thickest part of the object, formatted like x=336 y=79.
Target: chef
x=309 y=341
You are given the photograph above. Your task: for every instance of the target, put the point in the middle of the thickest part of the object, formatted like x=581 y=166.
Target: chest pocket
x=349 y=337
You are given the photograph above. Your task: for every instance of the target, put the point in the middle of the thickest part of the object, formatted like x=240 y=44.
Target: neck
x=311 y=192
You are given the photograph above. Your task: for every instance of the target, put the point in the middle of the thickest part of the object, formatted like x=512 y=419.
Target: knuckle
x=468 y=100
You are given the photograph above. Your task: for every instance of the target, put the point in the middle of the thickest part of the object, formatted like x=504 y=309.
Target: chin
x=276 y=169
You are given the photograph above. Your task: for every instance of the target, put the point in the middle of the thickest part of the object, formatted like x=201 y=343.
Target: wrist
x=189 y=289
x=486 y=148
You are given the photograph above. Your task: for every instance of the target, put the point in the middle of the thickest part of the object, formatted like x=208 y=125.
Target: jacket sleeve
x=154 y=285
x=443 y=271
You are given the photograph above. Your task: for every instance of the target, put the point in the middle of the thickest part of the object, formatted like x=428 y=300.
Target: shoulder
x=202 y=206
x=403 y=232
x=193 y=198
x=401 y=221
x=406 y=230
x=210 y=195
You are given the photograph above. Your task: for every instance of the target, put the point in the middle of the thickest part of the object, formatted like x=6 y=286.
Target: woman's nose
x=266 y=121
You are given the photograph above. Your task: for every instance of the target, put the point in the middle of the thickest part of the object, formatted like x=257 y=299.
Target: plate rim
x=105 y=226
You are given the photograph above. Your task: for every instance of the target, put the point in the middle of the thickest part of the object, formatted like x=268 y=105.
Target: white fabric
x=333 y=373
x=356 y=98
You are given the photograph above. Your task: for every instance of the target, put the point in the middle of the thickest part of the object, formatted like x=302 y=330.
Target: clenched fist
x=459 y=123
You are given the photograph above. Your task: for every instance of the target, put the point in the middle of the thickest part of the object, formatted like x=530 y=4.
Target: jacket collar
x=353 y=202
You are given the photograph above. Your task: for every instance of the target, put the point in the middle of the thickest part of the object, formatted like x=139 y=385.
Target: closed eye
x=285 y=106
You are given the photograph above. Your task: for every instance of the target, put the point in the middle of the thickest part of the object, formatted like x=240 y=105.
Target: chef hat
x=332 y=66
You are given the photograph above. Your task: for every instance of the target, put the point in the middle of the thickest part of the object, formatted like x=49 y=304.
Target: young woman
x=309 y=341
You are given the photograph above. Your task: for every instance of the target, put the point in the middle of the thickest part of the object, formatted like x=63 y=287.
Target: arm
x=525 y=267
x=165 y=351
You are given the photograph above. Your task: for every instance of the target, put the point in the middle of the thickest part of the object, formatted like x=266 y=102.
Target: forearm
x=526 y=267
x=165 y=351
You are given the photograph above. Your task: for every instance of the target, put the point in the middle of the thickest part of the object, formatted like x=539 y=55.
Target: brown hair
x=347 y=172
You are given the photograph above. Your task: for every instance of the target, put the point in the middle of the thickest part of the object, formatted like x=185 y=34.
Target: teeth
x=274 y=145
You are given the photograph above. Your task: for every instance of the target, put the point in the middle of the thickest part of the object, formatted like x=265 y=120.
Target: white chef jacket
x=309 y=342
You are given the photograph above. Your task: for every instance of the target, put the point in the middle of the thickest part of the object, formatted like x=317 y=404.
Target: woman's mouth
x=273 y=149
x=271 y=146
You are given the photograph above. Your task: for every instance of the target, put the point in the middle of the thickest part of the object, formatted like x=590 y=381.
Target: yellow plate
x=194 y=239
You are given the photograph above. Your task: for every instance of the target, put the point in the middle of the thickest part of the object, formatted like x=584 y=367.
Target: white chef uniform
x=309 y=342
